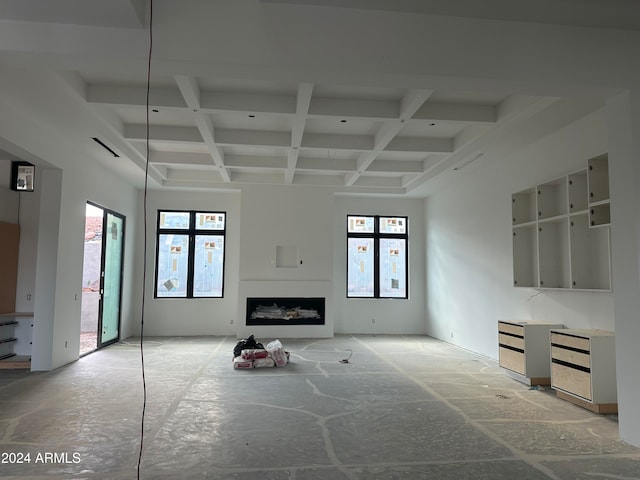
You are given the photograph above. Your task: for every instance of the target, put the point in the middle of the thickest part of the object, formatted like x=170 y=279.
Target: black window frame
x=376 y=236
x=192 y=233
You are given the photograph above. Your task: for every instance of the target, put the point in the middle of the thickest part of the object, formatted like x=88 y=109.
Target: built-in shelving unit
x=583 y=368
x=524 y=350
x=560 y=231
x=598 y=174
x=13 y=347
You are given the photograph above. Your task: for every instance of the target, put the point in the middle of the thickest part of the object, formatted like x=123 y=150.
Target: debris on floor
x=251 y=354
x=346 y=360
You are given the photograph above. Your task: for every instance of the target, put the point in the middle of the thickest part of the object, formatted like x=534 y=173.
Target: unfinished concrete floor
x=402 y=408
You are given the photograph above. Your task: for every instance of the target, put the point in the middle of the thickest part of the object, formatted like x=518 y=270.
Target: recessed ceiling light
x=343 y=121
x=251 y=115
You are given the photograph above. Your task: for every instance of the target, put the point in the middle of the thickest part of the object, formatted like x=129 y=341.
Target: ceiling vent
x=102 y=144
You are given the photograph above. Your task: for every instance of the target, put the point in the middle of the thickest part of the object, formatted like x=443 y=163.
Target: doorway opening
x=101 y=278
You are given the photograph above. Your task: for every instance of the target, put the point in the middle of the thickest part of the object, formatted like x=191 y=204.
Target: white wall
x=9 y=200
x=287 y=216
x=310 y=219
x=55 y=222
x=624 y=167
x=394 y=316
x=197 y=316
x=258 y=219
x=469 y=244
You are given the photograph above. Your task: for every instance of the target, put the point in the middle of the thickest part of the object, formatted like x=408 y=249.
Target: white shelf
x=578 y=200
x=553 y=246
x=523 y=207
x=552 y=198
x=525 y=256
x=560 y=232
x=598 y=180
x=590 y=268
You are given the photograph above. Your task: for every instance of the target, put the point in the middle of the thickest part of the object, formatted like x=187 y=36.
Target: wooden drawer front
x=574 y=342
x=571 y=356
x=571 y=380
x=510 y=328
x=516 y=342
x=512 y=360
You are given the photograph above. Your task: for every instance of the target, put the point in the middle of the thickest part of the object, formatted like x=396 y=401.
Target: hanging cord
x=144 y=248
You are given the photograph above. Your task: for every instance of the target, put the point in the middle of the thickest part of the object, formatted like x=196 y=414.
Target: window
x=190 y=254
x=377 y=257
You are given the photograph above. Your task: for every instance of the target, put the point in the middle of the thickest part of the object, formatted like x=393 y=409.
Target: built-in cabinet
x=15 y=328
x=560 y=231
x=583 y=368
x=15 y=340
x=524 y=350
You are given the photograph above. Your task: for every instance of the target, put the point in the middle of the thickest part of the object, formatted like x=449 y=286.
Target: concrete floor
x=402 y=408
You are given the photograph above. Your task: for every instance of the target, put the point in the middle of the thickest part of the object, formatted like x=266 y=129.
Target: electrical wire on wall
x=144 y=251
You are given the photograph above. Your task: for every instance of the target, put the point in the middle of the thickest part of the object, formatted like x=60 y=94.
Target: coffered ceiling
x=225 y=131
x=204 y=131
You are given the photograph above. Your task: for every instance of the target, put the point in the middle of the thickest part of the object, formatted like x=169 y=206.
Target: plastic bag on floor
x=254 y=353
x=276 y=351
x=263 y=362
x=240 y=362
x=245 y=344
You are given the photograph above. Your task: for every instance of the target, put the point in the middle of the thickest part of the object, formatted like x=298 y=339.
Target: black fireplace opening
x=285 y=311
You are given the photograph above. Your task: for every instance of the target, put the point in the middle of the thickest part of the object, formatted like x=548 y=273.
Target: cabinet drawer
x=570 y=341
x=571 y=356
x=511 y=328
x=571 y=380
x=516 y=342
x=512 y=360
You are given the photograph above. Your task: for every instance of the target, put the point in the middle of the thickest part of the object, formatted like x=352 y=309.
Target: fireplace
x=285 y=311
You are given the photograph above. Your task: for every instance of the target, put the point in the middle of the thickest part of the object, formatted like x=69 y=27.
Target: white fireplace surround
x=279 y=288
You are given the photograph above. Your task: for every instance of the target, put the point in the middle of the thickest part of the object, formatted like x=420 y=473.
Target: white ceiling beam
x=254 y=177
x=303 y=100
x=418 y=144
x=112 y=134
x=319 y=180
x=371 y=181
x=412 y=101
x=326 y=164
x=354 y=108
x=182 y=158
x=404 y=166
x=194 y=175
x=409 y=104
x=254 y=161
x=206 y=129
x=292 y=160
x=253 y=137
x=134 y=96
x=162 y=133
x=337 y=142
x=248 y=102
x=511 y=111
x=456 y=113
x=191 y=93
x=302 y=109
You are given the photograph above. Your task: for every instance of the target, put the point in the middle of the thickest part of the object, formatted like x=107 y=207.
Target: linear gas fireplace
x=285 y=311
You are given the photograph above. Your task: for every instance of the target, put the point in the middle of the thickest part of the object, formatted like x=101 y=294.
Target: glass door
x=111 y=279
